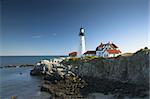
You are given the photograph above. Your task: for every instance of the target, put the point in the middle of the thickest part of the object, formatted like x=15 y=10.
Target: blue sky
x=51 y=27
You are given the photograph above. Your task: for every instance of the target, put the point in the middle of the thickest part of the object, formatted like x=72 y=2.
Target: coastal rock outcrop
x=132 y=69
x=127 y=74
x=48 y=66
x=41 y=68
x=67 y=87
x=59 y=81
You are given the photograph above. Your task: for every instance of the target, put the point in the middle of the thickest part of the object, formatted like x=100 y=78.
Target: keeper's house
x=107 y=50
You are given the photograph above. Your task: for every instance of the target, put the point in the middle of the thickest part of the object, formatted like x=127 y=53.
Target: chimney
x=110 y=42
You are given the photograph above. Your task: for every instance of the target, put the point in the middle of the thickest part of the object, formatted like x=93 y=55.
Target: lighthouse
x=82 y=42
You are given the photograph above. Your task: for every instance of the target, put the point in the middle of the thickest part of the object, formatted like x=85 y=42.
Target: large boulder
x=42 y=67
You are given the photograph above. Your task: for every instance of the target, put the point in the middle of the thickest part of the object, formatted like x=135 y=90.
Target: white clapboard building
x=107 y=50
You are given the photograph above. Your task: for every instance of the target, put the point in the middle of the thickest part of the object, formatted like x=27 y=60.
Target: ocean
x=17 y=81
x=19 y=60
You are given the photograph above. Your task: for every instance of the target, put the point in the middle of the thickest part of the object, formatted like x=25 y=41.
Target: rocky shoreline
x=74 y=87
x=63 y=88
x=79 y=78
x=116 y=88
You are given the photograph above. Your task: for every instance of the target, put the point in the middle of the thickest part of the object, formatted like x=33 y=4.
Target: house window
x=113 y=55
x=99 y=54
x=106 y=55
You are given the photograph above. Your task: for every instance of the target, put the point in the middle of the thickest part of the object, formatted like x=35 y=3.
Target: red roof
x=73 y=54
x=102 y=45
x=90 y=52
x=113 y=45
x=113 y=51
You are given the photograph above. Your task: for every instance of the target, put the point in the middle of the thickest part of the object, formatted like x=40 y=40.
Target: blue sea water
x=23 y=86
x=18 y=60
x=18 y=81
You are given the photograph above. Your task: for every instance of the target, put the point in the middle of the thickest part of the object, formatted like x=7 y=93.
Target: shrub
x=90 y=57
x=73 y=59
x=100 y=58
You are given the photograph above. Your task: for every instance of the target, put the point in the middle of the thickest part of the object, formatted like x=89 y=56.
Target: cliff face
x=132 y=69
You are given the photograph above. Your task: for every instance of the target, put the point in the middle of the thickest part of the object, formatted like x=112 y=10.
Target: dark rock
x=36 y=72
x=53 y=77
x=67 y=87
x=107 y=86
x=44 y=89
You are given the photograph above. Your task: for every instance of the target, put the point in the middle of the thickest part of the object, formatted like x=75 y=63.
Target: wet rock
x=44 y=89
x=107 y=86
x=53 y=78
x=1 y=67
x=67 y=87
x=14 y=97
x=36 y=72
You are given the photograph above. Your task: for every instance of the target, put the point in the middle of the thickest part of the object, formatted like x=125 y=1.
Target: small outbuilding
x=73 y=54
x=90 y=53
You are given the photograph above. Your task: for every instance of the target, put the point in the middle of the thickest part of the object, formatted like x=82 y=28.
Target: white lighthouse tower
x=82 y=42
